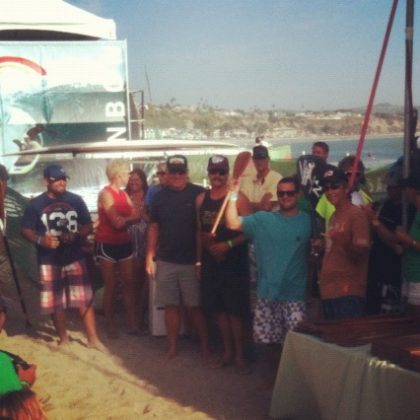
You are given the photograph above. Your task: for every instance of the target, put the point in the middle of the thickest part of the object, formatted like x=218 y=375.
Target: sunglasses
x=349 y=173
x=52 y=180
x=220 y=172
x=332 y=187
x=160 y=173
x=178 y=172
x=282 y=194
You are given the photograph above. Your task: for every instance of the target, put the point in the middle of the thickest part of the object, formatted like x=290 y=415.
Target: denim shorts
x=344 y=307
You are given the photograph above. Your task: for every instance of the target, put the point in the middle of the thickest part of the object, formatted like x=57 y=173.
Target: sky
x=283 y=54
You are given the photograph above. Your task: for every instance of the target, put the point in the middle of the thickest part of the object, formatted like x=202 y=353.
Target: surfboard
x=143 y=148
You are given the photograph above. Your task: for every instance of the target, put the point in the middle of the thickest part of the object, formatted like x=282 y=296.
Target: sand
x=134 y=380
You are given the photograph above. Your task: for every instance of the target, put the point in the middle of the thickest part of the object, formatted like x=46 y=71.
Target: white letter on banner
x=117 y=132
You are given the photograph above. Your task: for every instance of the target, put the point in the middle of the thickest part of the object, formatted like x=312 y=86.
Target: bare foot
x=63 y=342
x=171 y=354
x=95 y=344
x=242 y=367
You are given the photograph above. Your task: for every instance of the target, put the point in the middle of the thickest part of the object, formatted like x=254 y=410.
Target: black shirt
x=174 y=212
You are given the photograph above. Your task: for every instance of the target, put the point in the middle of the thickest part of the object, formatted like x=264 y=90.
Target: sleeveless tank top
x=209 y=209
x=105 y=232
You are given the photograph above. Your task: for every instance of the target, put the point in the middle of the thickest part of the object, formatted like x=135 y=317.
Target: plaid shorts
x=272 y=319
x=64 y=287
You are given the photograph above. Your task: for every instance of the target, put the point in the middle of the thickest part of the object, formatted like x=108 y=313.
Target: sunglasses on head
x=178 y=172
x=286 y=193
x=220 y=172
x=332 y=187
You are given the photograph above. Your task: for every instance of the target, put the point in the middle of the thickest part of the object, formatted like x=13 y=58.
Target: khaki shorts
x=176 y=284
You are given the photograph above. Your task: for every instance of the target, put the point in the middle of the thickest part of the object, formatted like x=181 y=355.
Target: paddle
x=310 y=171
x=241 y=162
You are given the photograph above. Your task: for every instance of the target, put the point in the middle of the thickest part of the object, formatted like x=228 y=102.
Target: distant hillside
x=216 y=122
x=383 y=108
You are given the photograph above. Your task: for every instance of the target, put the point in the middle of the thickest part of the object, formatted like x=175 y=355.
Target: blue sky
x=290 y=54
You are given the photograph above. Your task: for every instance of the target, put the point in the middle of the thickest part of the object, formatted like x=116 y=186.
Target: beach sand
x=134 y=380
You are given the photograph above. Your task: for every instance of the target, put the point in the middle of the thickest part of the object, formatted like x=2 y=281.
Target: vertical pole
x=408 y=100
x=142 y=114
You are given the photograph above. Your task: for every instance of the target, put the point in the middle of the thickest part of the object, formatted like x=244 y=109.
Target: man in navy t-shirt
x=57 y=222
x=172 y=253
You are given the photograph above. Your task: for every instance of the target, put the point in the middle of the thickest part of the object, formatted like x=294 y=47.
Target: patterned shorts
x=64 y=287
x=272 y=319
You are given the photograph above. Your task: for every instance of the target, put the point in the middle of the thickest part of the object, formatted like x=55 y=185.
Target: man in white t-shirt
x=261 y=189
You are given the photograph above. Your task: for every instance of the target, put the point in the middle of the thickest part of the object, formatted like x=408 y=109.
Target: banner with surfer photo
x=57 y=93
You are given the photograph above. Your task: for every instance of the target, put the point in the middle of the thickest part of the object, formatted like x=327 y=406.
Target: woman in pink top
x=113 y=245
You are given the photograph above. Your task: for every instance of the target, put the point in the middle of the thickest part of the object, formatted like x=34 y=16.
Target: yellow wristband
x=230 y=243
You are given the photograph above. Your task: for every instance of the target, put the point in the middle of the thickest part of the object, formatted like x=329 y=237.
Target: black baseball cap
x=260 y=152
x=334 y=175
x=177 y=163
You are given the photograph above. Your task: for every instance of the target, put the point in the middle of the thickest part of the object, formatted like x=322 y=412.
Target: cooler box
x=157 y=315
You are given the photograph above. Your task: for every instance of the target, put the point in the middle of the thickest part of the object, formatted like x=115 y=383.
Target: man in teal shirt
x=281 y=244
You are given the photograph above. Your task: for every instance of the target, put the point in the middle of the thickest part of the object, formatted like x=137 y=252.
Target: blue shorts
x=113 y=252
x=344 y=307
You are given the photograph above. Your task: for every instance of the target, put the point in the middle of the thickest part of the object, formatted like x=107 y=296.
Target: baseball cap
x=218 y=162
x=4 y=176
x=334 y=175
x=260 y=152
x=54 y=173
x=177 y=163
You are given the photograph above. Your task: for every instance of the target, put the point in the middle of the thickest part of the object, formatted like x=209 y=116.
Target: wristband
x=375 y=222
x=230 y=243
x=414 y=243
x=233 y=196
x=38 y=240
x=198 y=264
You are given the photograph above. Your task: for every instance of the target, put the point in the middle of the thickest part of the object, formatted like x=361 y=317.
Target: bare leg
x=237 y=328
x=225 y=330
x=59 y=321
x=200 y=325
x=88 y=318
x=129 y=292
x=172 y=323
x=143 y=295
x=2 y=320
x=108 y=277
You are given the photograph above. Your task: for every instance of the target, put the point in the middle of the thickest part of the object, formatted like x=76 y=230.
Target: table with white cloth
x=318 y=380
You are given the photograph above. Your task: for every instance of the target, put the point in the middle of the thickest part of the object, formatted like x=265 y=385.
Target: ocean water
x=376 y=152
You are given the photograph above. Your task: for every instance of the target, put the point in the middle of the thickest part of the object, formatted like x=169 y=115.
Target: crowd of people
x=206 y=267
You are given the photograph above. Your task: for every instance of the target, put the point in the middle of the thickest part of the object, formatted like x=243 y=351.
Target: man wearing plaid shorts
x=57 y=222
x=281 y=242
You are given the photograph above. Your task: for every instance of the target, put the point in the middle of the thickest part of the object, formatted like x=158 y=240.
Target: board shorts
x=113 y=252
x=412 y=292
x=64 y=287
x=224 y=291
x=273 y=319
x=176 y=284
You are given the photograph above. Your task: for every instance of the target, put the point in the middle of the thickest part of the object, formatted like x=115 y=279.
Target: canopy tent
x=51 y=20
